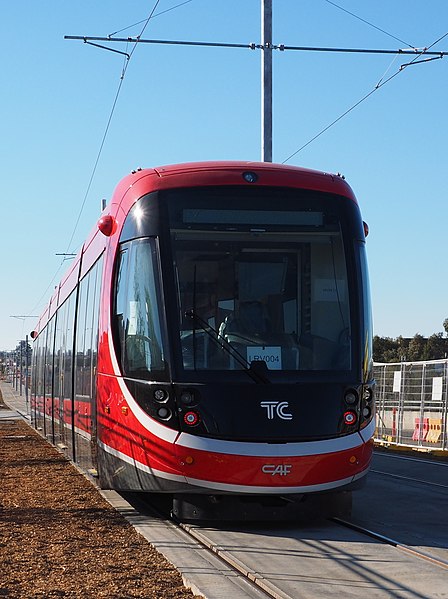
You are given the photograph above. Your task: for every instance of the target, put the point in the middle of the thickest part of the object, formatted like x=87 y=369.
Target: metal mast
x=266 y=80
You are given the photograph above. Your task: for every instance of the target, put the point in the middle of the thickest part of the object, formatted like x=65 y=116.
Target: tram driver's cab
x=256 y=326
x=271 y=284
x=265 y=307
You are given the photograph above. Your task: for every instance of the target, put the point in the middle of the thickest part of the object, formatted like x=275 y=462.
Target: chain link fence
x=412 y=404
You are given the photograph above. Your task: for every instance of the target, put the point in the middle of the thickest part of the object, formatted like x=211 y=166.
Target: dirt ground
x=60 y=538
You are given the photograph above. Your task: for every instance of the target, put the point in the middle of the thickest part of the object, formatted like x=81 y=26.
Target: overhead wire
x=126 y=65
x=369 y=23
x=154 y=16
x=395 y=58
x=111 y=114
x=45 y=293
x=378 y=86
x=103 y=140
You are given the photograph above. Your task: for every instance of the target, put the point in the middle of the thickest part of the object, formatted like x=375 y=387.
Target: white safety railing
x=412 y=404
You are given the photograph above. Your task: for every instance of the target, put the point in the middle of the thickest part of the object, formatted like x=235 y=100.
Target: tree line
x=415 y=349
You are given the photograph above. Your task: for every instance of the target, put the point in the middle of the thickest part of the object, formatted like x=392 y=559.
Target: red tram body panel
x=214 y=336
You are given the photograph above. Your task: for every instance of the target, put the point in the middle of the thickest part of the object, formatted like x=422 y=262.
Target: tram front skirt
x=252 y=508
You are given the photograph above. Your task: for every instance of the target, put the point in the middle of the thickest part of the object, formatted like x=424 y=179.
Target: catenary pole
x=266 y=80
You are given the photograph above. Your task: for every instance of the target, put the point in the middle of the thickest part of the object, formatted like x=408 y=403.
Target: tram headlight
x=351 y=397
x=164 y=413
x=366 y=412
x=367 y=394
x=187 y=398
x=160 y=395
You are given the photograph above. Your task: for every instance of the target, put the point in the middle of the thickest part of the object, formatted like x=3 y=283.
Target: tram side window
x=58 y=377
x=63 y=355
x=38 y=380
x=95 y=307
x=48 y=378
x=327 y=333
x=80 y=338
x=68 y=345
x=87 y=333
x=367 y=310
x=49 y=356
x=137 y=313
x=41 y=367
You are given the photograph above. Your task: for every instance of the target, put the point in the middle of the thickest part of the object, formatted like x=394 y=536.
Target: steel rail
x=256 y=579
x=429 y=461
x=235 y=565
x=389 y=541
x=408 y=478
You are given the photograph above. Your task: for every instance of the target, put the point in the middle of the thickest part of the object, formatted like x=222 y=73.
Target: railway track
x=272 y=584
x=410 y=479
x=394 y=543
x=290 y=562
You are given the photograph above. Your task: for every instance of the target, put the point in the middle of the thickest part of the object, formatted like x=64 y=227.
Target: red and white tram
x=213 y=337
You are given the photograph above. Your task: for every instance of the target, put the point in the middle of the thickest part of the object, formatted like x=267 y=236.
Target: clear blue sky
x=180 y=104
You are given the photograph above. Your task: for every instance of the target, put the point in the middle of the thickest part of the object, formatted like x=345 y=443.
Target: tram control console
x=212 y=342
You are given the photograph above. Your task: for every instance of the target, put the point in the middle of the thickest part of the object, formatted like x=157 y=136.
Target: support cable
x=111 y=114
x=128 y=57
x=158 y=14
x=368 y=23
x=380 y=84
x=418 y=52
x=252 y=46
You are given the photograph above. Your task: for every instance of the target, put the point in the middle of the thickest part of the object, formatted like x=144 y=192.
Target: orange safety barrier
x=421 y=429
x=435 y=430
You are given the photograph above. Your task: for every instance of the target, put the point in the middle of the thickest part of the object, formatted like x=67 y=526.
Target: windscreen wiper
x=256 y=369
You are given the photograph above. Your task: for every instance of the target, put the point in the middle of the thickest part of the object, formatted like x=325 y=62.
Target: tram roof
x=192 y=174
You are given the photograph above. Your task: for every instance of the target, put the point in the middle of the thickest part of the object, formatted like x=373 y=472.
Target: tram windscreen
x=260 y=280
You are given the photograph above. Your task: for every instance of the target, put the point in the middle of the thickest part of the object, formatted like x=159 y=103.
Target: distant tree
x=22 y=350
x=385 y=349
x=436 y=347
x=403 y=347
x=416 y=349
x=445 y=325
